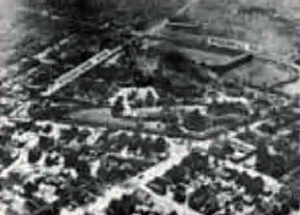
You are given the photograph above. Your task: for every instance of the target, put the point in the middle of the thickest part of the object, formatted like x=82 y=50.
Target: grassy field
x=259 y=72
x=196 y=55
x=102 y=116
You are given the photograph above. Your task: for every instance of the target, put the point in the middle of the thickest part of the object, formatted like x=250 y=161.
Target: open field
x=258 y=73
x=195 y=54
x=101 y=116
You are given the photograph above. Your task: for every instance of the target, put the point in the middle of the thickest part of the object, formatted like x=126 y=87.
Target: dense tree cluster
x=195 y=121
x=180 y=175
x=276 y=164
x=34 y=155
x=45 y=143
x=118 y=107
x=204 y=197
x=129 y=205
x=115 y=169
x=147 y=147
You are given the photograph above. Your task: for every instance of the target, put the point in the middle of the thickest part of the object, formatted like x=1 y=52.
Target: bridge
x=73 y=74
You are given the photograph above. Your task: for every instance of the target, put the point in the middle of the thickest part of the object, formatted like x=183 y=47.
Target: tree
x=35 y=111
x=227 y=148
x=150 y=100
x=118 y=107
x=212 y=205
x=284 y=194
x=195 y=121
x=160 y=145
x=138 y=103
x=50 y=161
x=196 y=162
x=6 y=157
x=71 y=158
x=47 y=129
x=294 y=202
x=180 y=194
x=263 y=158
x=146 y=150
x=256 y=186
x=170 y=119
x=132 y=95
x=170 y=100
x=148 y=142
x=123 y=138
x=173 y=213
x=46 y=143
x=277 y=166
x=124 y=206
x=83 y=169
x=159 y=185
x=30 y=188
x=113 y=208
x=105 y=136
x=198 y=198
x=177 y=174
x=34 y=155
x=285 y=209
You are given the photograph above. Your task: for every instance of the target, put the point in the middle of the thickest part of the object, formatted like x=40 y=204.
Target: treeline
x=79 y=5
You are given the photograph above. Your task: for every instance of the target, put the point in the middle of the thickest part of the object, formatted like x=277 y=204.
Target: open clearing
x=259 y=72
x=101 y=116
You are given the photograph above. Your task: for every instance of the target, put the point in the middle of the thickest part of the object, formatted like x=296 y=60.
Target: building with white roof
x=130 y=96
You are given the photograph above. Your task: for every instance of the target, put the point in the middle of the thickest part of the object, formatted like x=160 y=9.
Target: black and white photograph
x=149 y=107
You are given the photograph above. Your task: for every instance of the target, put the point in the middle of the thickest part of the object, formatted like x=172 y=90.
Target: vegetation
x=196 y=122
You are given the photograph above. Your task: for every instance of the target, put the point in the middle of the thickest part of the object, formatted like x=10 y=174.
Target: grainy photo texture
x=149 y=107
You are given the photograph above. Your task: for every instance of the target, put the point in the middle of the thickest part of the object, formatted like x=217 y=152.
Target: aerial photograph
x=149 y=107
